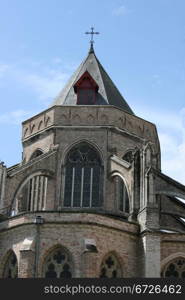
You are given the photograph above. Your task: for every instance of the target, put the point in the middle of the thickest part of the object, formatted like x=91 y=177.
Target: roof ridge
x=97 y=61
x=115 y=87
x=108 y=93
x=77 y=72
x=73 y=79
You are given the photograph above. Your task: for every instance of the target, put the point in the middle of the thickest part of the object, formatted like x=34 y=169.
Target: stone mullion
x=28 y=196
x=36 y=185
x=82 y=185
x=40 y=196
x=72 y=192
x=91 y=186
x=117 y=192
x=124 y=197
x=45 y=192
x=32 y=184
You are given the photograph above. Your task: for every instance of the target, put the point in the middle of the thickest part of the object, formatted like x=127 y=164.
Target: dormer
x=86 y=89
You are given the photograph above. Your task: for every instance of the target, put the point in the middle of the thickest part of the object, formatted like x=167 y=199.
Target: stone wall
x=172 y=246
x=70 y=230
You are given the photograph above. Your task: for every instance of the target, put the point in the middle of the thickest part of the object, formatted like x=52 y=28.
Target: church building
x=88 y=198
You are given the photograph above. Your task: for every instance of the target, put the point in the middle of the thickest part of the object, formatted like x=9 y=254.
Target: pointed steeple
x=108 y=94
x=91 y=50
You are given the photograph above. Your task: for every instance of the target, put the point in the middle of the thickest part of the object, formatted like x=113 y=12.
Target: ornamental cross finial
x=92 y=33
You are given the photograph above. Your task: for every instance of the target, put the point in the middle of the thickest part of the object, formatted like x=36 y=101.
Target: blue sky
x=141 y=45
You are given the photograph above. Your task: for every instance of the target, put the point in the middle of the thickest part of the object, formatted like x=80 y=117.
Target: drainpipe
x=38 y=221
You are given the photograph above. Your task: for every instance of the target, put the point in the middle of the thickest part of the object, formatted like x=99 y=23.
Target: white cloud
x=120 y=11
x=15 y=117
x=168 y=120
x=46 y=86
x=45 y=82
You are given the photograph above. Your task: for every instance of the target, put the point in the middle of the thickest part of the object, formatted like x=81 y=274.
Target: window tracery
x=110 y=267
x=58 y=265
x=32 y=196
x=175 y=269
x=83 y=178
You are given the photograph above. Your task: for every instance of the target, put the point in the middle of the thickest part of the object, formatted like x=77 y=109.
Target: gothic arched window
x=110 y=267
x=11 y=268
x=83 y=178
x=58 y=264
x=32 y=196
x=36 y=193
x=175 y=269
x=128 y=156
x=121 y=195
x=36 y=153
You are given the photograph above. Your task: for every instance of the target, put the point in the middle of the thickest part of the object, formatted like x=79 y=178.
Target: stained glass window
x=83 y=178
x=58 y=264
x=175 y=269
x=121 y=195
x=110 y=267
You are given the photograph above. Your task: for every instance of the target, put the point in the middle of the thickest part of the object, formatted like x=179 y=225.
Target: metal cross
x=92 y=33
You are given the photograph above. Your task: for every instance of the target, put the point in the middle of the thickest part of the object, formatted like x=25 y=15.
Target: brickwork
x=172 y=244
x=70 y=231
x=110 y=235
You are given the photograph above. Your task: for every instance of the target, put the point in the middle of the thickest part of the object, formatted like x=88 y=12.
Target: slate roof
x=108 y=94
